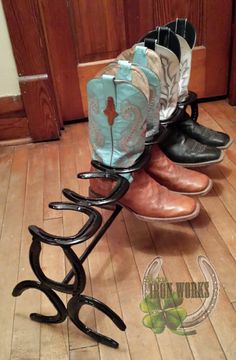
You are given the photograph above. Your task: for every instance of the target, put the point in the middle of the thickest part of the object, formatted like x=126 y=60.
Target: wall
x=8 y=74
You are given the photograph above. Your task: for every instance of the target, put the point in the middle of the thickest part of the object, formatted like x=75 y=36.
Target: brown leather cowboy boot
x=176 y=177
x=148 y=200
x=118 y=103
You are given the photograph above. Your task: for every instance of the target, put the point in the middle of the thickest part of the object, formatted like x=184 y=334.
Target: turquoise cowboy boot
x=186 y=34
x=118 y=106
x=118 y=103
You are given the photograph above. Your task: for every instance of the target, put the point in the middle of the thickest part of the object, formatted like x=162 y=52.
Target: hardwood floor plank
x=66 y=138
x=166 y=245
x=54 y=338
x=170 y=244
x=228 y=169
x=225 y=191
x=231 y=154
x=6 y=156
x=142 y=343
x=26 y=335
x=144 y=250
x=208 y=117
x=229 y=111
x=90 y=353
x=221 y=117
x=10 y=247
x=52 y=182
x=216 y=250
x=221 y=219
x=104 y=288
x=223 y=317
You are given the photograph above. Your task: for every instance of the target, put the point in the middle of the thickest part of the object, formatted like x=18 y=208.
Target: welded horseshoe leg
x=74 y=306
x=52 y=297
x=35 y=250
x=78 y=271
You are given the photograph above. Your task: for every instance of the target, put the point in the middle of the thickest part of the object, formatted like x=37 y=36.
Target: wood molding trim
x=40 y=110
x=10 y=106
x=13 y=121
x=14 y=128
x=14 y=142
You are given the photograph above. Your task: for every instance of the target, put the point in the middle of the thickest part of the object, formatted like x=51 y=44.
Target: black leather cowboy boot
x=186 y=35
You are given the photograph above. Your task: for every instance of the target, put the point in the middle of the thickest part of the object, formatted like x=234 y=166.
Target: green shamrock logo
x=161 y=313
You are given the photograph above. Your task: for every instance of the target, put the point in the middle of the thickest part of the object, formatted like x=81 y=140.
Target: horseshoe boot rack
x=92 y=228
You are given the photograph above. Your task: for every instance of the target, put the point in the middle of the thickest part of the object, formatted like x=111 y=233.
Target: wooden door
x=104 y=28
x=81 y=36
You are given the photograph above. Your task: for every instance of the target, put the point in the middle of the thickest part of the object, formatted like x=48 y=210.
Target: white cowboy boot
x=178 y=146
x=186 y=34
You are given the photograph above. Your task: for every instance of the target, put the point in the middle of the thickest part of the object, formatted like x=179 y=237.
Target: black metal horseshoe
x=74 y=306
x=52 y=297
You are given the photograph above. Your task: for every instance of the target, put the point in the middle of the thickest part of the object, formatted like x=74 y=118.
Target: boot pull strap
x=150 y=43
x=167 y=38
x=180 y=27
x=163 y=36
x=185 y=29
x=140 y=55
x=124 y=72
x=109 y=88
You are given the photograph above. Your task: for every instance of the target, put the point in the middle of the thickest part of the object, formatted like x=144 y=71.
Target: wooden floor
x=33 y=175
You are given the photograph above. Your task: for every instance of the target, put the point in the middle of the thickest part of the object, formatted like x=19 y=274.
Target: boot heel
x=94 y=195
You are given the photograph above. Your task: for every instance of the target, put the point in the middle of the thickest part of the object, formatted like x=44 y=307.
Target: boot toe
x=180 y=207
x=217 y=139
x=210 y=154
x=187 y=206
x=224 y=141
x=184 y=209
x=199 y=188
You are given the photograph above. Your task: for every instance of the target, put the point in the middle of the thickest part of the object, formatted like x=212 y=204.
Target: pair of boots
x=187 y=142
x=125 y=105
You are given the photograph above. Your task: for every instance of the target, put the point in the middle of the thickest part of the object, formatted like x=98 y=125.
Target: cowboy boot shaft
x=117 y=115
x=149 y=62
x=186 y=35
x=159 y=40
